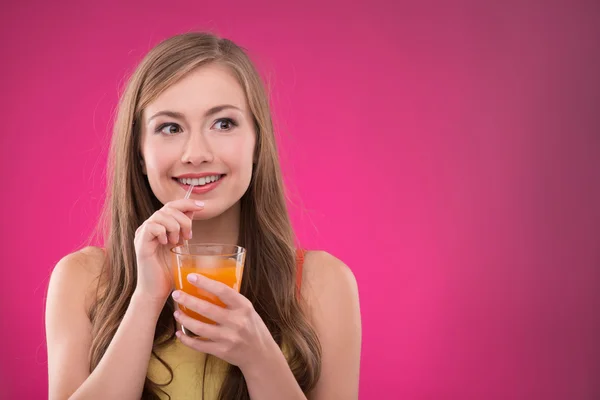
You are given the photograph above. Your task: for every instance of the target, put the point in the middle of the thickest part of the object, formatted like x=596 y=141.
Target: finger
x=184 y=221
x=172 y=226
x=186 y=205
x=226 y=294
x=203 y=346
x=151 y=231
x=202 y=307
x=202 y=329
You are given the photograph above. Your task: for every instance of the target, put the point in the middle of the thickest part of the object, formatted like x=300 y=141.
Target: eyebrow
x=211 y=111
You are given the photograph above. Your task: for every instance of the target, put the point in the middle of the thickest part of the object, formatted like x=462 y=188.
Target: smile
x=199 y=181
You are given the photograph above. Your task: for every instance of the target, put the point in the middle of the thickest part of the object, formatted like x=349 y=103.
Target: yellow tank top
x=188 y=366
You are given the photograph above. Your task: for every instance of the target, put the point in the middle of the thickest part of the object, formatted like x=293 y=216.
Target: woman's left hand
x=239 y=337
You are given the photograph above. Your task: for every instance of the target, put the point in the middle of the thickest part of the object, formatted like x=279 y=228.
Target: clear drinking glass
x=221 y=262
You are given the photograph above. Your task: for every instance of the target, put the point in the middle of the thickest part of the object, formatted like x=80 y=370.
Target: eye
x=225 y=124
x=168 y=129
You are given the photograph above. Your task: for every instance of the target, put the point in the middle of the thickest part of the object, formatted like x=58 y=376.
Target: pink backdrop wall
x=449 y=154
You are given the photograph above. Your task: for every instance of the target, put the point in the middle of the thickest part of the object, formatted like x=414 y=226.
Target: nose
x=197 y=150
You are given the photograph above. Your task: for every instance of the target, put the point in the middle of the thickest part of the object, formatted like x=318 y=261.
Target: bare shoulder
x=71 y=292
x=80 y=269
x=324 y=275
x=331 y=294
x=321 y=267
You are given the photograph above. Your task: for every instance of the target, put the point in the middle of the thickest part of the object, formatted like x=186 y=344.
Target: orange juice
x=224 y=270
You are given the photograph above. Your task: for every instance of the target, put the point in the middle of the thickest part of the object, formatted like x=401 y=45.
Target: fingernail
x=192 y=278
x=178 y=334
x=199 y=203
x=177 y=314
x=176 y=294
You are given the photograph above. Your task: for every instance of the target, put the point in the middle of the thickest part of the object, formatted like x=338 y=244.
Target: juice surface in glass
x=226 y=270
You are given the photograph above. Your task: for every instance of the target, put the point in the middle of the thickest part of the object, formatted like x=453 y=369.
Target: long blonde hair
x=269 y=280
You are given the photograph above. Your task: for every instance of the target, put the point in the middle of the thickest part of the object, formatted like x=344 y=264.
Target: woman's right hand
x=152 y=241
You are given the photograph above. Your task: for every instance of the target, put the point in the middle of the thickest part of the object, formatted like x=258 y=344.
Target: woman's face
x=200 y=131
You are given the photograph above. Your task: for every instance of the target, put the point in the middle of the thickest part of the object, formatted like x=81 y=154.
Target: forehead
x=204 y=87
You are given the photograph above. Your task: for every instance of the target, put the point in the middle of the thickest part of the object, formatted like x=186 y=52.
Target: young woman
x=195 y=108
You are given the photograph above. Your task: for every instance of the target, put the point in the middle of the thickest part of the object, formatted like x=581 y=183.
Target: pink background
x=449 y=154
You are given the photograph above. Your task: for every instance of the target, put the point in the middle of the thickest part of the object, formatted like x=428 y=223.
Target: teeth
x=200 y=181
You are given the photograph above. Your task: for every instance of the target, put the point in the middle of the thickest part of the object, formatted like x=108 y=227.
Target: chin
x=204 y=215
x=209 y=212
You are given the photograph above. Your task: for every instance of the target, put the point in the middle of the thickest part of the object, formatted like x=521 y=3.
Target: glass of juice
x=221 y=262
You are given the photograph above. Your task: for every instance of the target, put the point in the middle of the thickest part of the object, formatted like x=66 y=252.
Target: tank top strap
x=299 y=264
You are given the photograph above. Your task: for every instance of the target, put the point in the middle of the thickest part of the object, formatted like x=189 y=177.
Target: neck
x=224 y=228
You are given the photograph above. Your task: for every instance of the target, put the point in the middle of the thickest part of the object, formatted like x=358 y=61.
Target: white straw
x=187 y=196
x=189 y=192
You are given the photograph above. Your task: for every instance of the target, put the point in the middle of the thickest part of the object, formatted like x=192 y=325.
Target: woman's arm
x=271 y=378
x=332 y=295
x=122 y=370
x=330 y=288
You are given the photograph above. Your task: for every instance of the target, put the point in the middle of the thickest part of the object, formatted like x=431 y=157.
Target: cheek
x=158 y=161
x=158 y=164
x=239 y=156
